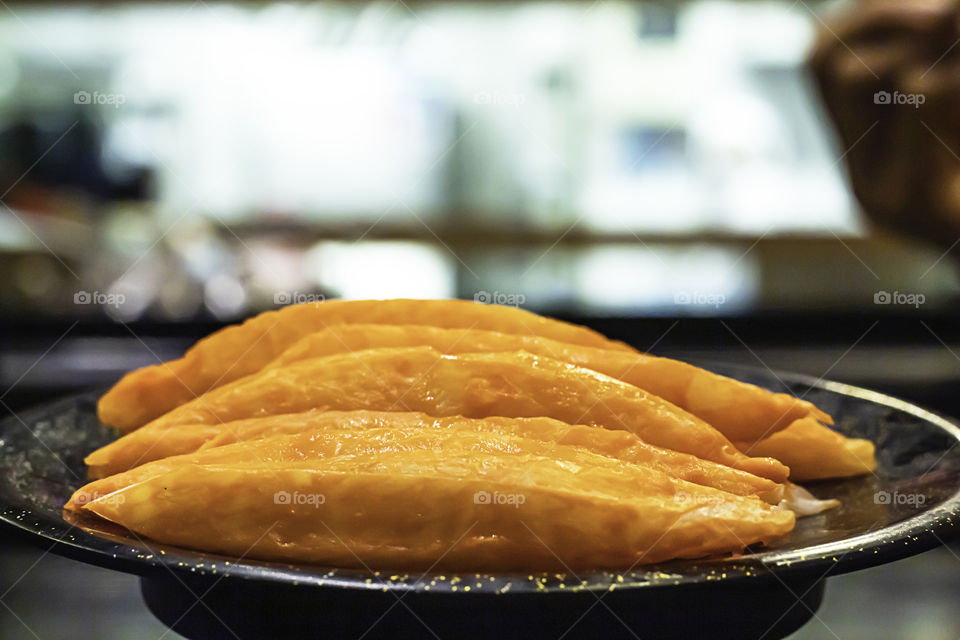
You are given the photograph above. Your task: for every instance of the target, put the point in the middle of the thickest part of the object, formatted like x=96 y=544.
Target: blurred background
x=662 y=171
x=177 y=162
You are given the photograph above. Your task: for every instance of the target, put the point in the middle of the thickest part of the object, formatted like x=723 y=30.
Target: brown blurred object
x=902 y=156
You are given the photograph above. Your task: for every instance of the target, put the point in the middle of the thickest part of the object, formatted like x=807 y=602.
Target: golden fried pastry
x=411 y=434
x=740 y=411
x=814 y=452
x=470 y=500
x=239 y=350
x=478 y=385
x=359 y=425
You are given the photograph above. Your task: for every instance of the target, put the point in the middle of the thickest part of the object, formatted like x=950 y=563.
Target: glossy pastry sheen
x=352 y=425
x=237 y=351
x=740 y=411
x=470 y=500
x=515 y=384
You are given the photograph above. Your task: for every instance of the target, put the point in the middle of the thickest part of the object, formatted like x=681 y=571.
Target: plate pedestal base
x=751 y=608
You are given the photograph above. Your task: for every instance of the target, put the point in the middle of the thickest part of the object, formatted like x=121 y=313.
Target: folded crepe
x=515 y=384
x=815 y=452
x=422 y=497
x=738 y=410
x=355 y=427
x=239 y=350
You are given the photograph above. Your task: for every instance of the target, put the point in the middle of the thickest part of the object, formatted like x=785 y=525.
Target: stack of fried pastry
x=456 y=435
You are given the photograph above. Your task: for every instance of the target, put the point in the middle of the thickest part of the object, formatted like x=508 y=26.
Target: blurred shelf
x=506 y=234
